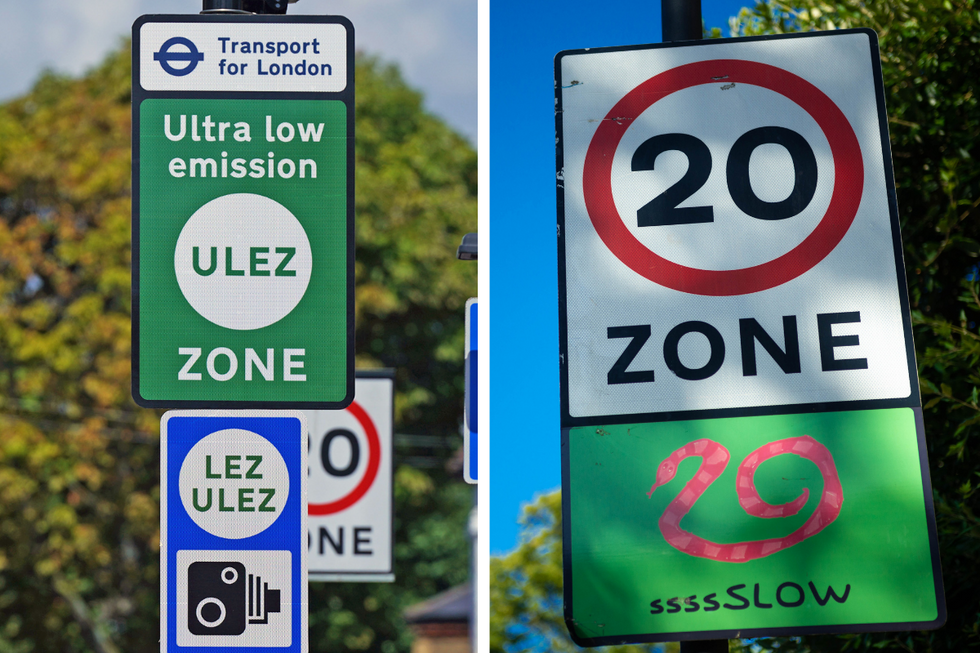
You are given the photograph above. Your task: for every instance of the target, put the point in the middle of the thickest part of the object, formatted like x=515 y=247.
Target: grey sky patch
x=434 y=42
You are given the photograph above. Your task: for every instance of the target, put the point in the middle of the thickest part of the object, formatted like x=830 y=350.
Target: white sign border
x=569 y=420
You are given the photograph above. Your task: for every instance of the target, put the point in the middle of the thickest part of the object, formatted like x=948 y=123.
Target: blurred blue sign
x=470 y=448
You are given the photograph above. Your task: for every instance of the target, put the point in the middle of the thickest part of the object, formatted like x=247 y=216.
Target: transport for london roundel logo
x=191 y=55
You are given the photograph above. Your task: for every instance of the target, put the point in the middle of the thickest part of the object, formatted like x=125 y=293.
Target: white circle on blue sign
x=234 y=483
x=243 y=261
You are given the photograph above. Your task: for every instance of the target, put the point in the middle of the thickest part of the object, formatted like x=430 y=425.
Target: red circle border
x=844 y=202
x=374 y=462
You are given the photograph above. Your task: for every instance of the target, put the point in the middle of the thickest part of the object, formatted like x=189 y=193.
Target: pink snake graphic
x=714 y=459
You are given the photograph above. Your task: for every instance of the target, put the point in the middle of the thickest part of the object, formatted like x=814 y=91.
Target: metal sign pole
x=223 y=7
x=246 y=6
x=705 y=646
x=682 y=22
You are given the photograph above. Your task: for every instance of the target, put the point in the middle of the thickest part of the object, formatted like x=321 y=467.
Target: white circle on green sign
x=243 y=261
x=234 y=483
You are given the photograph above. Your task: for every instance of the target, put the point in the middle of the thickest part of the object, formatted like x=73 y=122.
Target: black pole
x=273 y=7
x=223 y=7
x=705 y=646
x=681 y=20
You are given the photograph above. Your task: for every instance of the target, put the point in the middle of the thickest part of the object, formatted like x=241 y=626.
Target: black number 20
x=355 y=452
x=663 y=209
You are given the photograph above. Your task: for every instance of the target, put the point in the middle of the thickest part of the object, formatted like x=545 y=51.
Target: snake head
x=665 y=473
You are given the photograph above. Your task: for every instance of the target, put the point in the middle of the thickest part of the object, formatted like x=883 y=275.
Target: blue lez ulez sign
x=233 y=533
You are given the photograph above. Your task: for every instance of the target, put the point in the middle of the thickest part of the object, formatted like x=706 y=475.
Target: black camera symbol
x=221 y=597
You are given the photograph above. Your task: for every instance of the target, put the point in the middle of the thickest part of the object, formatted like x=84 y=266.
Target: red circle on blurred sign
x=844 y=202
x=373 y=463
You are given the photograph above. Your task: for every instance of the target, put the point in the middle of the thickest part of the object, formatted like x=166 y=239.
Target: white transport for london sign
x=260 y=56
x=721 y=209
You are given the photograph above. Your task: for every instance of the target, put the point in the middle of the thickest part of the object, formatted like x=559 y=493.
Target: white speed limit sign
x=728 y=229
x=350 y=488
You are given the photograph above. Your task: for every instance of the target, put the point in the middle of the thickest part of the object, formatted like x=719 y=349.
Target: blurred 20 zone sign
x=243 y=211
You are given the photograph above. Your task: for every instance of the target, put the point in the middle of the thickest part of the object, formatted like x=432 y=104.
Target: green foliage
x=929 y=51
x=526 y=589
x=525 y=595
x=416 y=197
x=79 y=497
x=429 y=557
x=765 y=644
x=79 y=461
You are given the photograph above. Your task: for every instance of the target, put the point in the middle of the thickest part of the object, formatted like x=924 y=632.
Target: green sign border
x=346 y=96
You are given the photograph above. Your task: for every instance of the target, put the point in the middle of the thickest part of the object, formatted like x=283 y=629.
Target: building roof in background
x=453 y=605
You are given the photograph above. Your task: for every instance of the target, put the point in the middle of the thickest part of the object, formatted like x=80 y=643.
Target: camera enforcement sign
x=233 y=539
x=743 y=449
x=243 y=211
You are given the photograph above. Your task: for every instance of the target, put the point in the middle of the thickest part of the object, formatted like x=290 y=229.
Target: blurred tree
x=929 y=54
x=416 y=196
x=526 y=590
x=79 y=462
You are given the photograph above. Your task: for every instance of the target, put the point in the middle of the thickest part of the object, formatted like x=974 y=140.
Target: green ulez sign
x=748 y=524
x=243 y=243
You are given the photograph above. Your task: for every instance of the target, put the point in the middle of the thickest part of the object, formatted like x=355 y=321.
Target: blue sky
x=524 y=414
